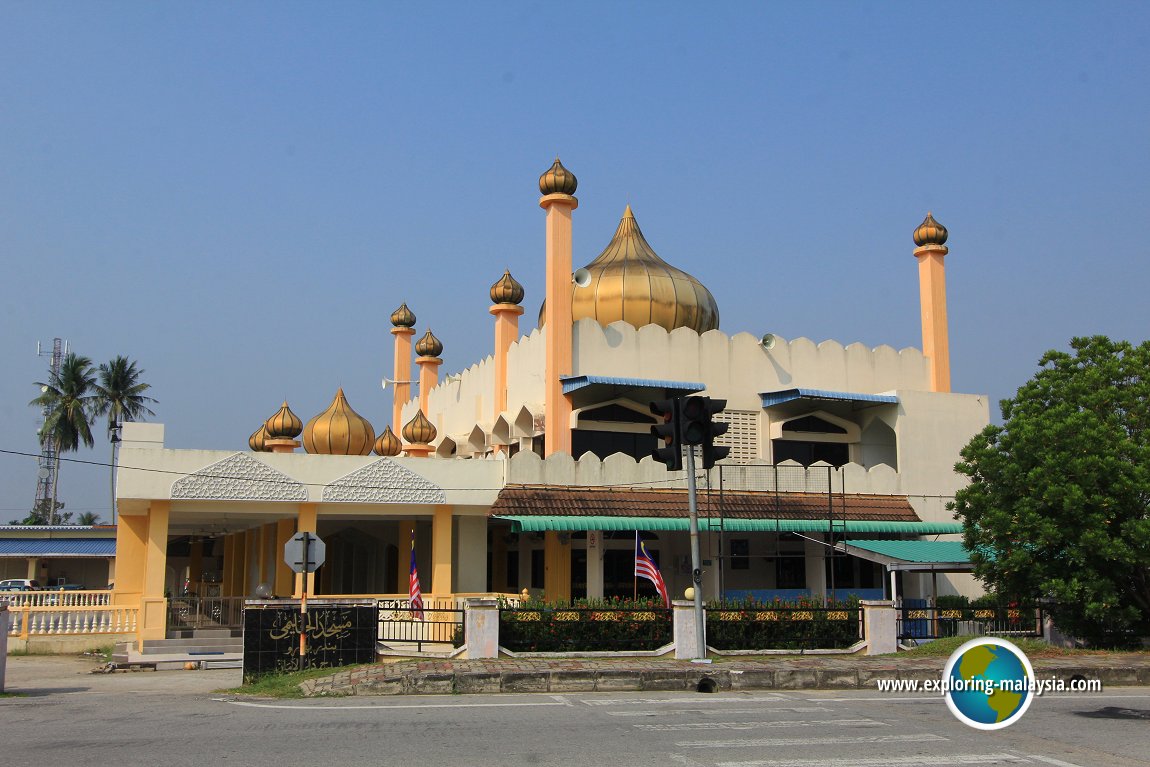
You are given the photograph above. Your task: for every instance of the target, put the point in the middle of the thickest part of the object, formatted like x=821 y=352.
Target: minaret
x=929 y=237
x=402 y=320
x=428 y=348
x=558 y=187
x=506 y=295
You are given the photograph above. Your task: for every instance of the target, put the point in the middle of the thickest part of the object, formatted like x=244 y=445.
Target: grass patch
x=283 y=685
x=11 y=695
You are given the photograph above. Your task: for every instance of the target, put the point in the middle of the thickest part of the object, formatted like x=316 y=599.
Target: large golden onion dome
x=429 y=345
x=258 y=439
x=418 y=431
x=339 y=430
x=629 y=282
x=284 y=424
x=507 y=290
x=388 y=444
x=929 y=232
x=403 y=317
x=558 y=180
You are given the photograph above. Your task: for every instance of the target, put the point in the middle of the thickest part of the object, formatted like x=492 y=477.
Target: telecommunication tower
x=46 y=474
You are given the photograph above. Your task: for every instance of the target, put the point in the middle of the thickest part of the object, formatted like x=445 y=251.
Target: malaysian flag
x=413 y=585
x=645 y=567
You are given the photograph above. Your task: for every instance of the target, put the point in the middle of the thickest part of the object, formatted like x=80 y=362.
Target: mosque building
x=532 y=468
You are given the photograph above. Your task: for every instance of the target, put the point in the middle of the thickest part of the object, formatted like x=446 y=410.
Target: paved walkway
x=785 y=672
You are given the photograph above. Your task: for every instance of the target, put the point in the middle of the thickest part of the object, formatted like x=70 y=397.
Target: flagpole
x=635 y=570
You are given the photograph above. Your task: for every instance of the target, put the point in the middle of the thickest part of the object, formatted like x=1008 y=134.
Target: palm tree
x=120 y=396
x=88 y=518
x=68 y=405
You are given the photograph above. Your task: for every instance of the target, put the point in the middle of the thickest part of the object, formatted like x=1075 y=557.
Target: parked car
x=20 y=584
x=68 y=587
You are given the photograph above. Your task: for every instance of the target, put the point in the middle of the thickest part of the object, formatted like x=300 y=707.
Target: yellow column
x=506 y=332
x=153 y=604
x=556 y=568
x=226 y=567
x=557 y=416
x=33 y=566
x=239 y=556
x=403 y=563
x=930 y=237
x=131 y=556
x=285 y=529
x=441 y=551
x=196 y=565
x=401 y=369
x=305 y=523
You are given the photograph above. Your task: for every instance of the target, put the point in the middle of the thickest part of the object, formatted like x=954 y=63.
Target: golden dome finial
x=258 y=439
x=429 y=345
x=284 y=424
x=930 y=232
x=339 y=430
x=388 y=444
x=403 y=317
x=629 y=282
x=558 y=180
x=507 y=290
x=419 y=431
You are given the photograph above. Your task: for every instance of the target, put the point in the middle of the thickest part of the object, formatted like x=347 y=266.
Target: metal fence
x=440 y=624
x=194 y=612
x=773 y=627
x=925 y=623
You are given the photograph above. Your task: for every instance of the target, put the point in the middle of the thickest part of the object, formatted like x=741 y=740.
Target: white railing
x=57 y=598
x=72 y=621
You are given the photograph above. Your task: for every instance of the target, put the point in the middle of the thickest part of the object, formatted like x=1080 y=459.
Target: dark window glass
x=605 y=443
x=806 y=453
x=537 y=573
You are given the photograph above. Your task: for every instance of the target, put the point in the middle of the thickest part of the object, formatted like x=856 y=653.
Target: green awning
x=533 y=524
x=937 y=556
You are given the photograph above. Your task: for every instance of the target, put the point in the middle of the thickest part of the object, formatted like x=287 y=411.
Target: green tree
x=44 y=512
x=88 y=518
x=120 y=396
x=68 y=402
x=1058 y=500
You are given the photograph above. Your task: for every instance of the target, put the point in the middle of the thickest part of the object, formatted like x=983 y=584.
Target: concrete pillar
x=153 y=604
x=880 y=629
x=816 y=567
x=284 y=577
x=556 y=567
x=401 y=369
x=237 y=564
x=506 y=333
x=131 y=556
x=5 y=617
x=306 y=522
x=441 y=535
x=471 y=555
x=32 y=571
x=481 y=627
x=557 y=329
x=685 y=632
x=428 y=378
x=595 y=564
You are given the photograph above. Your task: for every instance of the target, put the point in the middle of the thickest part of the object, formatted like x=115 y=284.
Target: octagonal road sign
x=305 y=552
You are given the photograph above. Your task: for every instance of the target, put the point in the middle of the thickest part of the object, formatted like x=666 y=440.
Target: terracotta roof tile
x=536 y=500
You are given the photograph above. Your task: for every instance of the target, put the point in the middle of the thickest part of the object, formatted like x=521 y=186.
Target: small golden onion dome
x=429 y=345
x=929 y=232
x=339 y=430
x=418 y=431
x=258 y=438
x=403 y=317
x=388 y=443
x=558 y=180
x=284 y=425
x=629 y=282
x=507 y=290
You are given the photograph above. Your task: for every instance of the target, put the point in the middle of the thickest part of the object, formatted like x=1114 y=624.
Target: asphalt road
x=67 y=717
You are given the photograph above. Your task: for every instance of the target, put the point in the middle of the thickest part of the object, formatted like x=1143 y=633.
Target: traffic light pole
x=696 y=562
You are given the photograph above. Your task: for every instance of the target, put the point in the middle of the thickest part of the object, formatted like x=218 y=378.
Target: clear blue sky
x=237 y=195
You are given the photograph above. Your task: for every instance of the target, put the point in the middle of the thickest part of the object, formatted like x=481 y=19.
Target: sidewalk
x=506 y=675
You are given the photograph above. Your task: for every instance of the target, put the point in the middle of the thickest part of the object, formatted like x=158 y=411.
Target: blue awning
x=773 y=398
x=575 y=383
x=58 y=547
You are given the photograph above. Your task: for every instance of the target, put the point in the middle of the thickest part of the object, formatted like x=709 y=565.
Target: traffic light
x=700 y=428
x=671 y=451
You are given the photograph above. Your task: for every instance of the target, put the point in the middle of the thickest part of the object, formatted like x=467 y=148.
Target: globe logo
x=988 y=683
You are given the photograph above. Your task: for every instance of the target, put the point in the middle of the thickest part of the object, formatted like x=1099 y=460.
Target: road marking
x=1052 y=760
x=249 y=704
x=892 y=761
x=759 y=725
x=562 y=699
x=693 y=700
x=834 y=741
x=725 y=711
x=884 y=699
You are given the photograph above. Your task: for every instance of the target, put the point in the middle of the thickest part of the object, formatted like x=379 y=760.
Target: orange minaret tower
x=930 y=237
x=506 y=295
x=558 y=188
x=428 y=348
x=402 y=320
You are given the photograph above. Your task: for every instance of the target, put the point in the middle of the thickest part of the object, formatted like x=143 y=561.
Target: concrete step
x=213 y=633
x=198 y=641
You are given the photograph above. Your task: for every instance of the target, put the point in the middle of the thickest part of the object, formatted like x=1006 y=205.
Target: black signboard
x=337 y=635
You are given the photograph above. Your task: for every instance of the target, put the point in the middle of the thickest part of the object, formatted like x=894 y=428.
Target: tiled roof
x=534 y=500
